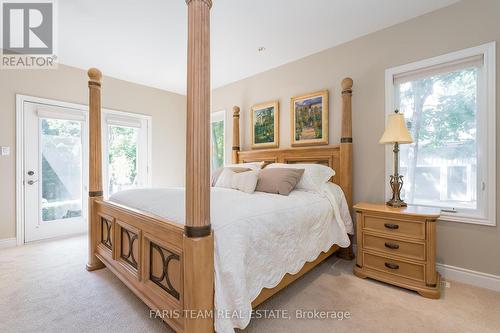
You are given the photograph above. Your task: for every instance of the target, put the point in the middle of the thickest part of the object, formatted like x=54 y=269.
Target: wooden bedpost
x=198 y=240
x=95 y=163
x=346 y=154
x=346 y=140
x=236 y=133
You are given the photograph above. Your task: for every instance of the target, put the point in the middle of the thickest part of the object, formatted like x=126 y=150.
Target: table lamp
x=396 y=133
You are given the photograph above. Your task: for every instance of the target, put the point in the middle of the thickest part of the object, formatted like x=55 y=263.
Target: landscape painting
x=309 y=119
x=265 y=125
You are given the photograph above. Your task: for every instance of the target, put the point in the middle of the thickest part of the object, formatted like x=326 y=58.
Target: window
x=449 y=107
x=217 y=130
x=127 y=153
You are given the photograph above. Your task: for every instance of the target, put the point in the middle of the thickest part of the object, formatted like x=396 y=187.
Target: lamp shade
x=396 y=130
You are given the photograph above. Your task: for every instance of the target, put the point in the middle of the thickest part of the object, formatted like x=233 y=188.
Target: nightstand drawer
x=396 y=247
x=395 y=267
x=394 y=227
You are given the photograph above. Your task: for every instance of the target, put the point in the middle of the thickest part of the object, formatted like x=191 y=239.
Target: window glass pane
x=217 y=144
x=122 y=146
x=427 y=180
x=440 y=167
x=457 y=183
x=61 y=149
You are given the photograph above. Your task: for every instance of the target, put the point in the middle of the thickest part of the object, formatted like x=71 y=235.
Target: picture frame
x=264 y=125
x=309 y=119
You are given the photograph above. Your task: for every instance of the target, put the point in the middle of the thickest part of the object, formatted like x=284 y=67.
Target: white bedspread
x=259 y=237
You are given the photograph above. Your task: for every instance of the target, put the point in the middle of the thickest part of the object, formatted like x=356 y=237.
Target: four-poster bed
x=170 y=266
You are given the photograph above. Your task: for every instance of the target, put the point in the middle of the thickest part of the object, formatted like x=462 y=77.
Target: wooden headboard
x=326 y=155
x=338 y=157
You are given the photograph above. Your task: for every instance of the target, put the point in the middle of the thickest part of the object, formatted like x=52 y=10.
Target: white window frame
x=486 y=103
x=113 y=117
x=216 y=117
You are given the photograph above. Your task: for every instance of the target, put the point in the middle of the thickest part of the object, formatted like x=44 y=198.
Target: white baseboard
x=478 y=279
x=8 y=242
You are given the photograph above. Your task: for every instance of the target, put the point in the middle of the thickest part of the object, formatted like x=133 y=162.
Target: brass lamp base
x=396 y=182
x=396 y=203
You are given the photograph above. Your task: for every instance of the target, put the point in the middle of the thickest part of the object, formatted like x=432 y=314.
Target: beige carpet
x=44 y=287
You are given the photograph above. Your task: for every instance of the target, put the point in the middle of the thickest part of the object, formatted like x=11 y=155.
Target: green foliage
x=122 y=156
x=60 y=127
x=217 y=144
x=453 y=119
x=264 y=125
x=308 y=121
x=123 y=142
x=61 y=139
x=442 y=121
x=53 y=188
x=49 y=214
x=61 y=169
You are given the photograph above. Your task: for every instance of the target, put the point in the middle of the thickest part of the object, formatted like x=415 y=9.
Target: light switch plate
x=5 y=151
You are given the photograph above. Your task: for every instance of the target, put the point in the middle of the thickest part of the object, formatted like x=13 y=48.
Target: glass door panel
x=61 y=176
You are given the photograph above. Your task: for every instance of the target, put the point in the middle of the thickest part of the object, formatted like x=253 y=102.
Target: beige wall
x=168 y=111
x=466 y=24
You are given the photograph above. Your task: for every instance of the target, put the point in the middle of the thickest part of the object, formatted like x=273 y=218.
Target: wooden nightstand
x=398 y=246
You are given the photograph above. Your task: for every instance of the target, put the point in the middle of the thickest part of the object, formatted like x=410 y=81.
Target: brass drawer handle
x=391 y=226
x=391 y=265
x=393 y=246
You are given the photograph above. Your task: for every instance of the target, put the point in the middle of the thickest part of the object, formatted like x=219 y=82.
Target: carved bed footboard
x=147 y=253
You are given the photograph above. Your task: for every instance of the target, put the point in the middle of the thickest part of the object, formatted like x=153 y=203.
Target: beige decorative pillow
x=278 y=180
x=218 y=171
x=243 y=181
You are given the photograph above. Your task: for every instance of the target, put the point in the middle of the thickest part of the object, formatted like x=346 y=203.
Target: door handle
x=31 y=182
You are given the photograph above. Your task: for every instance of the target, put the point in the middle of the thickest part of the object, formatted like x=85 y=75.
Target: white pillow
x=250 y=165
x=314 y=175
x=243 y=181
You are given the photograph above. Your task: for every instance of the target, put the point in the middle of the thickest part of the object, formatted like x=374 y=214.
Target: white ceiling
x=144 y=41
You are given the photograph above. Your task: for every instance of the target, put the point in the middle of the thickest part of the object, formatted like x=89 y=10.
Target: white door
x=55 y=174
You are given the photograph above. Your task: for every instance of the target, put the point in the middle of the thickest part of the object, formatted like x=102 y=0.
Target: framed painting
x=309 y=119
x=265 y=125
